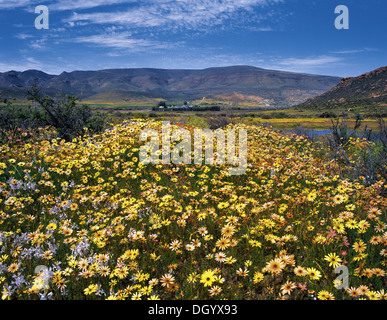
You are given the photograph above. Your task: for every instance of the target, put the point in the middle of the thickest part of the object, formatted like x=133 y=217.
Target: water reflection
x=312 y=133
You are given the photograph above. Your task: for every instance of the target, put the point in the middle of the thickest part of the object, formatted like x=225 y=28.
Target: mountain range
x=142 y=86
x=369 y=89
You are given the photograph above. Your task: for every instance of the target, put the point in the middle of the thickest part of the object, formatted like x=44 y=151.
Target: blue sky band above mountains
x=288 y=35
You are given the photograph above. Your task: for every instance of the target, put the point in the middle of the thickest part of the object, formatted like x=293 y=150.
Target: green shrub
x=69 y=118
x=327 y=114
x=16 y=120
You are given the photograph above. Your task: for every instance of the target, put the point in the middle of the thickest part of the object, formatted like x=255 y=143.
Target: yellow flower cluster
x=110 y=227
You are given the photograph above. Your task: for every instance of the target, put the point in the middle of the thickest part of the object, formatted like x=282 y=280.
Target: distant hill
x=240 y=83
x=369 y=89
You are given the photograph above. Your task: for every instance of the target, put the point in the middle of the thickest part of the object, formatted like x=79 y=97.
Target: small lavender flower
x=2 y=268
x=81 y=248
x=19 y=280
x=100 y=292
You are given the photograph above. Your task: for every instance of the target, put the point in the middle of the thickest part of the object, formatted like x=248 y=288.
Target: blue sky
x=290 y=35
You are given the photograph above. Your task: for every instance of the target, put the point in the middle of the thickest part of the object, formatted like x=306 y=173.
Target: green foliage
x=69 y=118
x=63 y=113
x=373 y=162
x=15 y=121
x=368 y=163
x=327 y=114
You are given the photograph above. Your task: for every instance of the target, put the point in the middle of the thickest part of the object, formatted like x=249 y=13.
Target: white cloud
x=261 y=29
x=23 y=36
x=354 y=51
x=347 y=51
x=174 y=14
x=38 y=44
x=309 y=62
x=85 y=4
x=61 y=5
x=121 y=40
x=11 y=4
x=28 y=63
x=323 y=64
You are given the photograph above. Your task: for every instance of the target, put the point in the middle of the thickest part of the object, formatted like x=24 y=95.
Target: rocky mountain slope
x=369 y=89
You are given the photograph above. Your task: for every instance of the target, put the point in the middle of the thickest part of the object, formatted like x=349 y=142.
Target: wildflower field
x=86 y=220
